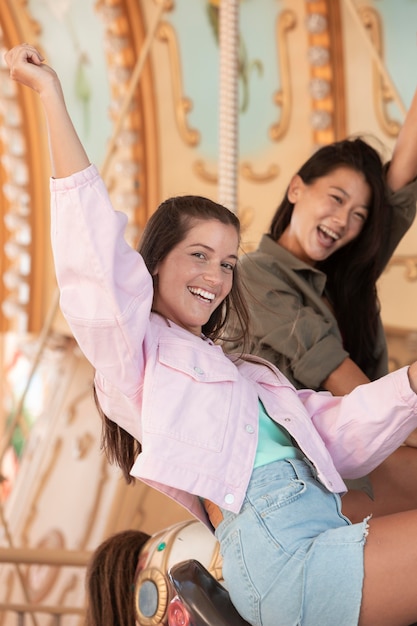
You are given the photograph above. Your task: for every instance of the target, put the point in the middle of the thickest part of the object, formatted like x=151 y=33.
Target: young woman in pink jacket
x=228 y=437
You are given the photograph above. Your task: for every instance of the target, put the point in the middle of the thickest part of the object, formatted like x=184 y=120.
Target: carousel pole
x=228 y=108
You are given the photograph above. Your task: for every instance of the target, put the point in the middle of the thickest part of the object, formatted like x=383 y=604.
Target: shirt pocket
x=191 y=394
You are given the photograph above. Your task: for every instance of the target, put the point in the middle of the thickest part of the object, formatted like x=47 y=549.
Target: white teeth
x=202 y=293
x=329 y=232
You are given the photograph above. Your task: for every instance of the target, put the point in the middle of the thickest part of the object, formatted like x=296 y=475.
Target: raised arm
x=27 y=68
x=403 y=167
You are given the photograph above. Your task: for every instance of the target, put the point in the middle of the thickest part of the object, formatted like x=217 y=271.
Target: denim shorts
x=290 y=557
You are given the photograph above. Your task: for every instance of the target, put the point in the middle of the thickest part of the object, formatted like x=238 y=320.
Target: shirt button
x=198 y=370
x=249 y=429
x=229 y=498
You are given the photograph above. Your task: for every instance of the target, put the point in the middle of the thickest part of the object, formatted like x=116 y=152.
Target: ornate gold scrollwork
x=167 y=4
x=409 y=263
x=154 y=579
x=182 y=105
x=382 y=91
x=246 y=215
x=282 y=98
x=201 y=171
x=46 y=476
x=216 y=566
x=247 y=172
x=94 y=511
x=41 y=579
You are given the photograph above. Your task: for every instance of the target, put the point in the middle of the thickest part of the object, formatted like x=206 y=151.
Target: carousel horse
x=179 y=580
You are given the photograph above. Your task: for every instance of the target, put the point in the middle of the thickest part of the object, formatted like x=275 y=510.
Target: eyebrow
x=206 y=247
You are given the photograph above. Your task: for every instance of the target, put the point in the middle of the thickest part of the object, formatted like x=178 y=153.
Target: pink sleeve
x=364 y=427
x=106 y=290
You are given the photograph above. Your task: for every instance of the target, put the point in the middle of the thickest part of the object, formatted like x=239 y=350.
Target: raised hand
x=27 y=67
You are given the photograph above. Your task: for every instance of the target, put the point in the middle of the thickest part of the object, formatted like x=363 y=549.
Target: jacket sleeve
x=364 y=427
x=403 y=212
x=105 y=289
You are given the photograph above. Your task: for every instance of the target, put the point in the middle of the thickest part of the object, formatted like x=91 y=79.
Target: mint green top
x=274 y=443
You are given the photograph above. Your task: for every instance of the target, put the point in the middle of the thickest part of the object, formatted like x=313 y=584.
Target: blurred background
x=163 y=109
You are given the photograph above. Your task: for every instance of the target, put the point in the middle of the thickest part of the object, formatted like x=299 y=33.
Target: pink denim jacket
x=193 y=408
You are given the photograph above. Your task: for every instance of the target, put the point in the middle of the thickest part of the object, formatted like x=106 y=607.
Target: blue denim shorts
x=290 y=557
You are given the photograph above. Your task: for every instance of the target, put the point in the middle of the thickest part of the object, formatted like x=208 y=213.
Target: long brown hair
x=110 y=580
x=352 y=271
x=166 y=228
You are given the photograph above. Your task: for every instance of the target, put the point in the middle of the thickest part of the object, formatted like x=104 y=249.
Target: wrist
x=51 y=92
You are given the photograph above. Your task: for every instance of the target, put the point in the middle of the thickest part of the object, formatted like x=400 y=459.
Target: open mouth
x=328 y=234
x=202 y=294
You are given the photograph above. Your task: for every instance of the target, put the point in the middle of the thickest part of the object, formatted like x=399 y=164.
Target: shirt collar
x=316 y=277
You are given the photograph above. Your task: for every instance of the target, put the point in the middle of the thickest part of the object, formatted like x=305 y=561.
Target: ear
x=295 y=188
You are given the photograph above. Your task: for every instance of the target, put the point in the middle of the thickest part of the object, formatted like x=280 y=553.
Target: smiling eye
x=361 y=216
x=228 y=266
x=199 y=255
x=338 y=199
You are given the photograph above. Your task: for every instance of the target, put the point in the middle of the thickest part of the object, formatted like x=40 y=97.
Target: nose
x=212 y=275
x=342 y=216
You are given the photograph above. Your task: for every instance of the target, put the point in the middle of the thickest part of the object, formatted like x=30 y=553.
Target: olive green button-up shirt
x=292 y=326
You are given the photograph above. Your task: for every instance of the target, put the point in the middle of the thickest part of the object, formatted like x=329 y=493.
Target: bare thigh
x=390 y=563
x=394 y=484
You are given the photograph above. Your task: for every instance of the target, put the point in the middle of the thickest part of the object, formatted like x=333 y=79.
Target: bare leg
x=390 y=583
x=395 y=488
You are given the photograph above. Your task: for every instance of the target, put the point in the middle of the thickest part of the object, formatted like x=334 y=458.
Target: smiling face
x=328 y=213
x=197 y=275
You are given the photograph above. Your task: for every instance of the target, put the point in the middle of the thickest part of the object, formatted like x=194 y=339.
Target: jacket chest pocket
x=191 y=395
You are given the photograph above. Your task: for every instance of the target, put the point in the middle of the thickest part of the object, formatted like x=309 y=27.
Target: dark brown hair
x=169 y=225
x=110 y=580
x=166 y=228
x=352 y=271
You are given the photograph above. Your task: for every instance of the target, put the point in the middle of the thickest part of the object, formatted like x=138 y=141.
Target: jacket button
x=229 y=498
x=198 y=370
x=249 y=429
